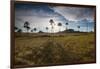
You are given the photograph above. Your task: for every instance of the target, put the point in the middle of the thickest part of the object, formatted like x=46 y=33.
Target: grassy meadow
x=47 y=49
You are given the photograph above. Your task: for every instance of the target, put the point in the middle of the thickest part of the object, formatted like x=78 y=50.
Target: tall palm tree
x=47 y=28
x=78 y=28
x=87 y=26
x=59 y=24
x=52 y=24
x=66 y=26
x=26 y=25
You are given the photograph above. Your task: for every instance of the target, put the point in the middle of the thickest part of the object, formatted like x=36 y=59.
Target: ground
x=48 y=49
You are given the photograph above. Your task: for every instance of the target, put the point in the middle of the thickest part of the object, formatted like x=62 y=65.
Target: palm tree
x=35 y=29
x=32 y=30
x=87 y=27
x=51 y=23
x=28 y=28
x=59 y=24
x=78 y=28
x=66 y=26
x=20 y=30
x=47 y=28
x=16 y=28
x=40 y=31
x=26 y=25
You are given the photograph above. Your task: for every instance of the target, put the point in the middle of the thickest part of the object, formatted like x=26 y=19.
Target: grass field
x=47 y=49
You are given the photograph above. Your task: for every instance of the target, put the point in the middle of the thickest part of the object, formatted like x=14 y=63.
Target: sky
x=39 y=14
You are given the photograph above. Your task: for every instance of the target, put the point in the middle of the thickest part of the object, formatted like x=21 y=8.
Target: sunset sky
x=39 y=15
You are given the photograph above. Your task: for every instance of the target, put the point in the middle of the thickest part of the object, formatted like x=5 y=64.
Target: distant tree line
x=52 y=24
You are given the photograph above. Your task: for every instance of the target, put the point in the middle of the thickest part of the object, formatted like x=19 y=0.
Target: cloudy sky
x=39 y=15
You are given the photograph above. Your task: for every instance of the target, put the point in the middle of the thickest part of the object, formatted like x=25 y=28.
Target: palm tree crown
x=66 y=23
x=59 y=24
x=78 y=27
x=35 y=29
x=47 y=28
x=26 y=25
x=51 y=21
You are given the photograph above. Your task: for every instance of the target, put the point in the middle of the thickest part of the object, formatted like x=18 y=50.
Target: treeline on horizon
x=52 y=24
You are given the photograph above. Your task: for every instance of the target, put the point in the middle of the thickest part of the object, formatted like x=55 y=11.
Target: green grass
x=34 y=49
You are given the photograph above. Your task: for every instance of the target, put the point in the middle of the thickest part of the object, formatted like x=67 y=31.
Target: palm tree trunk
x=59 y=30
x=87 y=27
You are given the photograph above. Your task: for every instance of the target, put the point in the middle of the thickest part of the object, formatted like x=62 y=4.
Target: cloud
x=38 y=15
x=75 y=13
x=86 y=23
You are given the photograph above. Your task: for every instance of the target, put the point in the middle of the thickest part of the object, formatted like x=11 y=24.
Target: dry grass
x=33 y=49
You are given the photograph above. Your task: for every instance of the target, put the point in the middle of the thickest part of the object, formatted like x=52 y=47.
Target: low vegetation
x=47 y=49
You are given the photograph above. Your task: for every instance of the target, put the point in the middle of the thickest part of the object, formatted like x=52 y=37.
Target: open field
x=47 y=49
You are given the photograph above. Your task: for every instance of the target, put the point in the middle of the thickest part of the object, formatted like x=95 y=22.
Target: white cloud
x=40 y=18
x=75 y=13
